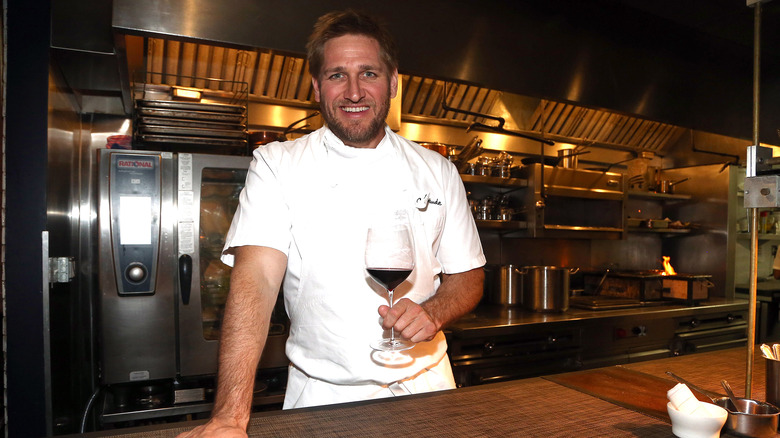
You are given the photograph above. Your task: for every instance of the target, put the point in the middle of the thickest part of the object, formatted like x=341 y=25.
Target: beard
x=356 y=132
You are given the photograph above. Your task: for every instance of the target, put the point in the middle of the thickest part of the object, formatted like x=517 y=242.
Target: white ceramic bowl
x=705 y=423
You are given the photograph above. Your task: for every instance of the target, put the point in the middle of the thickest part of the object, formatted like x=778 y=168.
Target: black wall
x=26 y=133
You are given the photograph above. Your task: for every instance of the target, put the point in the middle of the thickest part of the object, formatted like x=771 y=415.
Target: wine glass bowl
x=389 y=261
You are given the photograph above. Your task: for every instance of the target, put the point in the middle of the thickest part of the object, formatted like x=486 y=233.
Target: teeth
x=351 y=109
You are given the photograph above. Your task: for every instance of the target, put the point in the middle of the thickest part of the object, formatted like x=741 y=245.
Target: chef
x=301 y=225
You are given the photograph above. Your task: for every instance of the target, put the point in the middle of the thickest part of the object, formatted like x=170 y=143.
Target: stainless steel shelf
x=494 y=180
x=661 y=230
x=657 y=196
x=761 y=236
x=502 y=225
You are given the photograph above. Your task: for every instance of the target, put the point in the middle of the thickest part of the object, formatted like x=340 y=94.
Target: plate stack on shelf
x=176 y=126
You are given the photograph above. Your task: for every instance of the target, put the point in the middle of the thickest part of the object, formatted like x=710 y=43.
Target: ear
x=316 y=85
x=394 y=84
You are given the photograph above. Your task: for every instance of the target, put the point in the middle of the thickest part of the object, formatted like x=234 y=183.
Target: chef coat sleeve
x=460 y=249
x=262 y=217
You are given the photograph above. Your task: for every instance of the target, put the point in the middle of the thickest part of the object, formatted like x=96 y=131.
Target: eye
x=336 y=76
x=370 y=74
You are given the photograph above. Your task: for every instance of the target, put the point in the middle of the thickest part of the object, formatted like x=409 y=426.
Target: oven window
x=219 y=193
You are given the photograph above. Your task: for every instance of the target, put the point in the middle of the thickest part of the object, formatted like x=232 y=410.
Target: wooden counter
x=561 y=405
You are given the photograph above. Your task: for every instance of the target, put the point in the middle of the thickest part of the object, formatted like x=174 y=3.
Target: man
x=302 y=223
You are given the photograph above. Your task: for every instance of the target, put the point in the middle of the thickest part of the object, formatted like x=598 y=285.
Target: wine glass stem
x=392 y=330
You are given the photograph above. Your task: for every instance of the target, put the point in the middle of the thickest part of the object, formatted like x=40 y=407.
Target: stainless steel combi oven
x=162 y=220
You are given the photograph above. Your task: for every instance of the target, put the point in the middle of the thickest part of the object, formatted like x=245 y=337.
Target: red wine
x=390 y=278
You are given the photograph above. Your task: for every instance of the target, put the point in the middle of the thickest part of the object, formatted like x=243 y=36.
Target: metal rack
x=176 y=118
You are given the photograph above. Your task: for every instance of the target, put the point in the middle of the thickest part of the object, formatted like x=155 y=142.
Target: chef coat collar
x=334 y=144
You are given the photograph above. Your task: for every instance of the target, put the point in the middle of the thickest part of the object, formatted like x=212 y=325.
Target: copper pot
x=443 y=149
x=258 y=138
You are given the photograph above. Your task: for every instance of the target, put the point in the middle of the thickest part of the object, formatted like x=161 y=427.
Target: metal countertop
x=493 y=319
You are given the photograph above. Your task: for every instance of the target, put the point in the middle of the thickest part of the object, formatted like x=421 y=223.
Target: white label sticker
x=185 y=171
x=186 y=238
x=186 y=202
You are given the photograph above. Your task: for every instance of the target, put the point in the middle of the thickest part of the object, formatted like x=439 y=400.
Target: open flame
x=668 y=269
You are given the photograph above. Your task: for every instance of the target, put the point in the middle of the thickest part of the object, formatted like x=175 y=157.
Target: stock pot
x=505 y=285
x=546 y=288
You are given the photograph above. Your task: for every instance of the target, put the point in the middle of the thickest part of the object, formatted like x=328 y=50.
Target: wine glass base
x=392 y=345
x=391 y=359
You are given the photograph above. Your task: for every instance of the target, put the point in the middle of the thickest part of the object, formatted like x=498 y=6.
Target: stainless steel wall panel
x=710 y=249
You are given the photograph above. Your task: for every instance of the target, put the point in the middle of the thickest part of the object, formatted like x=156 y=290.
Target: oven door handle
x=185 y=278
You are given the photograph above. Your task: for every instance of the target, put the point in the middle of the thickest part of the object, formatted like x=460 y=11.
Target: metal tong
x=470 y=151
x=772 y=352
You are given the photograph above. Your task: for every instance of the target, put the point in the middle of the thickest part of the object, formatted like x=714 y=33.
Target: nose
x=354 y=91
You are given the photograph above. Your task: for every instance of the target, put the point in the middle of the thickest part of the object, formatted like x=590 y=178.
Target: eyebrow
x=340 y=69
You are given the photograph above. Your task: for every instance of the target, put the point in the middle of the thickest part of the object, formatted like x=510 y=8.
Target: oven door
x=479 y=357
x=209 y=186
x=136 y=329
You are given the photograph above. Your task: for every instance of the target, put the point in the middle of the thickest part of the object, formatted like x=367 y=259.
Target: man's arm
x=457 y=295
x=254 y=285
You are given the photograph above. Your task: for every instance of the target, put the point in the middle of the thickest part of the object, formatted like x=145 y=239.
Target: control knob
x=136 y=273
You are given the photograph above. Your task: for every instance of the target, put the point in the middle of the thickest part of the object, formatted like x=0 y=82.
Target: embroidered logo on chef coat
x=422 y=202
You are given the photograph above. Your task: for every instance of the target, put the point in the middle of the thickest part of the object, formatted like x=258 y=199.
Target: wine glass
x=389 y=261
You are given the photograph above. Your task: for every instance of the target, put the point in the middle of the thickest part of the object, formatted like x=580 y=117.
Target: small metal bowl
x=753 y=419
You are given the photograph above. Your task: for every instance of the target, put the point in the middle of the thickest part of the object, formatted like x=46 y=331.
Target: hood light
x=186 y=94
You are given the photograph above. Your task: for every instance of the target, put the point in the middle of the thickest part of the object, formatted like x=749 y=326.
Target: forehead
x=347 y=50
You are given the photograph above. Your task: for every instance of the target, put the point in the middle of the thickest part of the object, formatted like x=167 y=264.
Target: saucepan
x=568 y=158
x=668 y=186
x=751 y=418
x=259 y=138
x=441 y=148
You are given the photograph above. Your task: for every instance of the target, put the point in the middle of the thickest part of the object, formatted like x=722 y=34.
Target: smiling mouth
x=354 y=109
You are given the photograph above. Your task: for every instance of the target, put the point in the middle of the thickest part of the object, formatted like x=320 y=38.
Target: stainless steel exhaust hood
x=595 y=79
x=283 y=80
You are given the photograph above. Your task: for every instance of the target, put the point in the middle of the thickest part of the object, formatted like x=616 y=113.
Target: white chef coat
x=312 y=199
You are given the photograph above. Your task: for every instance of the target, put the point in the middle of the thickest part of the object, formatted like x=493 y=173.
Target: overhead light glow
x=184 y=93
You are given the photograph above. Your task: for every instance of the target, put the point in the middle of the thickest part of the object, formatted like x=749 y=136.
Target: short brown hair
x=349 y=22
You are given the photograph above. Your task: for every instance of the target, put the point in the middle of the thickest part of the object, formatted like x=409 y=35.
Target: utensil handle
x=709 y=394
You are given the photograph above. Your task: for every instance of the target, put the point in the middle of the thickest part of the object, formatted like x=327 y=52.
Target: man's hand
x=458 y=294
x=409 y=320
x=215 y=427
